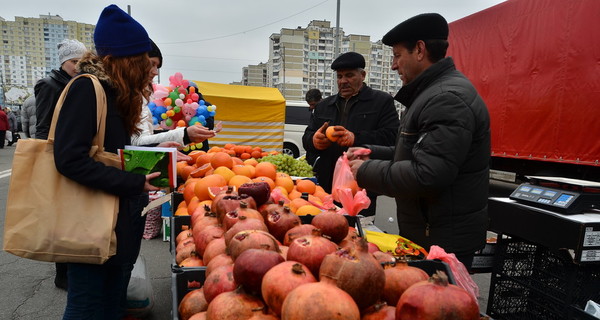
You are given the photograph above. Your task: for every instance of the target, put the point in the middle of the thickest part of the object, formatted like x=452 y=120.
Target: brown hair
x=129 y=76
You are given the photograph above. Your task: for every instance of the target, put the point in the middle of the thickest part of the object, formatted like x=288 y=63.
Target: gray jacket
x=28 y=117
x=439 y=174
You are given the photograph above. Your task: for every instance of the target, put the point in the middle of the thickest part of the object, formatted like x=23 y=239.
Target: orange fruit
x=266 y=169
x=225 y=172
x=320 y=193
x=239 y=149
x=180 y=165
x=237 y=161
x=214 y=191
x=241 y=169
x=256 y=154
x=308 y=210
x=251 y=162
x=193 y=205
x=294 y=194
x=305 y=185
x=245 y=156
x=181 y=212
x=297 y=203
x=201 y=204
x=329 y=133
x=214 y=149
x=221 y=159
x=284 y=192
x=229 y=146
x=265 y=179
x=203 y=158
x=315 y=199
x=185 y=171
x=229 y=152
x=200 y=171
x=286 y=182
x=194 y=155
x=182 y=204
x=238 y=180
x=188 y=191
x=202 y=185
x=252 y=170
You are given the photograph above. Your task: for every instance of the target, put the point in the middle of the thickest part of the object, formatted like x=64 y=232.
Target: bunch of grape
x=286 y=163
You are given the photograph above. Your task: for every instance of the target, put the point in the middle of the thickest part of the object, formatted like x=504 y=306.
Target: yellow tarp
x=250 y=115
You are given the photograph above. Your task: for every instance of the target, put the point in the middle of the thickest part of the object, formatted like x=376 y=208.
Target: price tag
x=591 y=238
x=590 y=255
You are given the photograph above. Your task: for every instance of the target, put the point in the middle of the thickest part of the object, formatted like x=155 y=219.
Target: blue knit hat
x=119 y=35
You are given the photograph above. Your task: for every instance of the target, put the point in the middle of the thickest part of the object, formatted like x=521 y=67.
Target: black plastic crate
x=533 y=282
x=183 y=282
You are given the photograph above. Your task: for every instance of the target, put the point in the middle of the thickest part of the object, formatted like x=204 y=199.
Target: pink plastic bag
x=345 y=190
x=461 y=275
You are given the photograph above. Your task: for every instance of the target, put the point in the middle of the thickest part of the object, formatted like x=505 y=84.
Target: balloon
x=201 y=110
x=181 y=123
x=195 y=96
x=151 y=105
x=170 y=113
x=193 y=121
x=173 y=95
x=163 y=116
x=160 y=110
x=182 y=95
x=179 y=102
x=168 y=101
x=169 y=122
x=202 y=102
x=211 y=108
x=154 y=120
x=177 y=109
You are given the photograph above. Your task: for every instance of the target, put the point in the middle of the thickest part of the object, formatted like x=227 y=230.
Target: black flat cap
x=349 y=60
x=426 y=26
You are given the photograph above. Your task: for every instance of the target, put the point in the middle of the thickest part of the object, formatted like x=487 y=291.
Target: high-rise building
x=255 y=75
x=300 y=59
x=28 y=51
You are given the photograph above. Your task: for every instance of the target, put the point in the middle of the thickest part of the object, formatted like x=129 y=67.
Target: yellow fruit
x=308 y=209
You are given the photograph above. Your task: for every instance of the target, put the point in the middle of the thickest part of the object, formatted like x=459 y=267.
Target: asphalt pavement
x=27 y=290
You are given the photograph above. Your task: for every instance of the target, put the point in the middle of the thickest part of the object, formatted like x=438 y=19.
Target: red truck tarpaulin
x=537 y=66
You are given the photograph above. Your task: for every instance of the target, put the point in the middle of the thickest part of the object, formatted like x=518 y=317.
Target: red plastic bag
x=345 y=190
x=461 y=275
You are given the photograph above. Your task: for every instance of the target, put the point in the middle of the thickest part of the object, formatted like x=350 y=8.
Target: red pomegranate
x=355 y=271
x=192 y=302
x=192 y=261
x=183 y=234
x=228 y=192
x=311 y=250
x=384 y=257
x=234 y=305
x=400 y=276
x=251 y=239
x=380 y=311
x=269 y=207
x=280 y=221
x=203 y=237
x=233 y=216
x=280 y=280
x=213 y=249
x=250 y=267
x=244 y=224
x=203 y=220
x=259 y=191
x=184 y=252
x=218 y=281
x=436 y=299
x=319 y=301
x=297 y=231
x=218 y=261
x=331 y=224
x=232 y=202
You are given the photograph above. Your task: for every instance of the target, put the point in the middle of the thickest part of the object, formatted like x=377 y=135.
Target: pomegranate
x=232 y=202
x=355 y=271
x=311 y=250
x=251 y=239
x=384 y=257
x=373 y=247
x=280 y=280
x=206 y=235
x=280 y=221
x=221 y=260
x=380 y=311
x=332 y=224
x=400 y=276
x=184 y=252
x=244 y=224
x=259 y=191
x=250 y=267
x=221 y=195
x=269 y=207
x=437 y=299
x=192 y=261
x=199 y=316
x=297 y=231
x=213 y=249
x=234 y=305
x=192 y=302
x=233 y=216
x=218 y=281
x=350 y=239
x=183 y=234
x=184 y=243
x=284 y=250
x=319 y=301
x=203 y=220
x=262 y=316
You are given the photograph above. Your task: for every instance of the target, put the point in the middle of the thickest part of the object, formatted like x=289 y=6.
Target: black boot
x=60 y=281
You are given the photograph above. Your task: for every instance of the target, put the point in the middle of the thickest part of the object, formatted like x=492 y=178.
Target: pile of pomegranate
x=263 y=263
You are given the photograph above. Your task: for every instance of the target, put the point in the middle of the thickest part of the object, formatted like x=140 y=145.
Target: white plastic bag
x=593 y=308
x=9 y=137
x=140 y=297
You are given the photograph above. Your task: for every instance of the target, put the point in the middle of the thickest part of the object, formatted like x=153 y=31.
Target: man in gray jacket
x=439 y=168
x=28 y=118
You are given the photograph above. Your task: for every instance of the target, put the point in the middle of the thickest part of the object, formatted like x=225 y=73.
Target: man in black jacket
x=439 y=172
x=360 y=115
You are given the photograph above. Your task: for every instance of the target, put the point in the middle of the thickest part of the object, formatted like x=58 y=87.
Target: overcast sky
x=213 y=40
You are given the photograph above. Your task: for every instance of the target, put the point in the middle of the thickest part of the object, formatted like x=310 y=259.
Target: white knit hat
x=70 y=49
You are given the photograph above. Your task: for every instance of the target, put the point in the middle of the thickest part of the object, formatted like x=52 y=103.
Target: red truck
x=537 y=66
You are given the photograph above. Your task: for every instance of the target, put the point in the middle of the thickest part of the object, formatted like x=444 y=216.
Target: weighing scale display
x=554 y=199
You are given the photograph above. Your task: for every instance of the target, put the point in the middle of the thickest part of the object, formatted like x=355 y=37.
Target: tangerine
x=229 y=146
x=243 y=170
x=245 y=156
x=239 y=149
x=251 y=162
x=221 y=159
x=225 y=172
x=308 y=209
x=202 y=185
x=306 y=185
x=329 y=133
x=266 y=169
x=237 y=160
x=256 y=154
x=286 y=182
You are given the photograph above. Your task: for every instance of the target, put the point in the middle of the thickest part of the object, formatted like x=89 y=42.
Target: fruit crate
x=182 y=282
x=530 y=281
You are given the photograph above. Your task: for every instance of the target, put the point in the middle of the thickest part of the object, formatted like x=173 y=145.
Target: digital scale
x=562 y=195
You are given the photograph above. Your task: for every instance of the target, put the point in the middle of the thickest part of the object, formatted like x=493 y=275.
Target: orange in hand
x=329 y=133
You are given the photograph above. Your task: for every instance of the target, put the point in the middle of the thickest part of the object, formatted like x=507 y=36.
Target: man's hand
x=347 y=139
x=319 y=139
x=359 y=153
x=147 y=185
x=354 y=165
x=198 y=133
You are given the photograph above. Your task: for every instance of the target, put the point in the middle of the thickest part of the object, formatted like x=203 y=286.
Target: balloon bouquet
x=179 y=105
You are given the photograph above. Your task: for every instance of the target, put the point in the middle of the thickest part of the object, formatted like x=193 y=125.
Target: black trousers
x=2 y=138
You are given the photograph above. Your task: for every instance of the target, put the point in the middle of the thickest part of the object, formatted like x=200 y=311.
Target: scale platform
x=562 y=195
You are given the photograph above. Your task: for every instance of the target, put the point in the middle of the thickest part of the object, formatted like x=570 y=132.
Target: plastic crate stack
x=530 y=281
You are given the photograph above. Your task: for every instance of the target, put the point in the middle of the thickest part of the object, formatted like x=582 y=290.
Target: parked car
x=297 y=117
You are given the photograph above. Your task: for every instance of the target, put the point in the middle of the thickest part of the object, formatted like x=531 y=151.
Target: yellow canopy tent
x=250 y=115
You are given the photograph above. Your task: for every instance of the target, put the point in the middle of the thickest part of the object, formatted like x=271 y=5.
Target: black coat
x=372 y=117
x=75 y=130
x=47 y=91
x=439 y=174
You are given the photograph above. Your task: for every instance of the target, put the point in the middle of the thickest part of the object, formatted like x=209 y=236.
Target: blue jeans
x=97 y=292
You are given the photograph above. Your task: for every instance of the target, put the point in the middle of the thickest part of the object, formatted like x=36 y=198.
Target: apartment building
x=28 y=49
x=300 y=59
x=255 y=75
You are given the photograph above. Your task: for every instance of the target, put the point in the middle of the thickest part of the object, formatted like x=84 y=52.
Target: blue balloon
x=152 y=105
x=212 y=113
x=159 y=110
x=202 y=102
x=201 y=110
x=154 y=120
x=202 y=120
